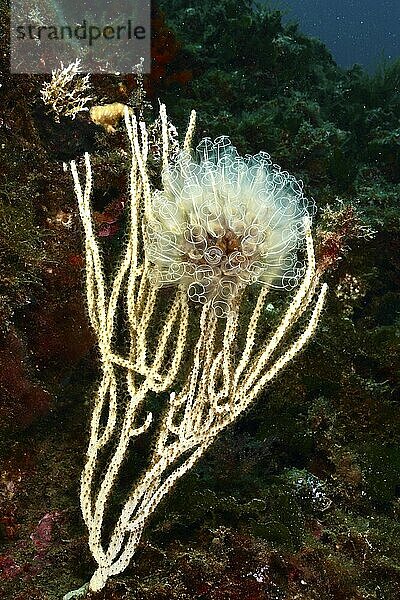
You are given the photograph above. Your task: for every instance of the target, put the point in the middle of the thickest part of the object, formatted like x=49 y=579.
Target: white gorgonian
x=223 y=222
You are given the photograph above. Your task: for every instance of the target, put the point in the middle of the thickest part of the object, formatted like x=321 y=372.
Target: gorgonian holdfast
x=222 y=222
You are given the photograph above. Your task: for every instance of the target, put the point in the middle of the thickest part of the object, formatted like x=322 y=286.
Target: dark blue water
x=356 y=31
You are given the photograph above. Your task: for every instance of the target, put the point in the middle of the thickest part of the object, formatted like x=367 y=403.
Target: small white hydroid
x=223 y=222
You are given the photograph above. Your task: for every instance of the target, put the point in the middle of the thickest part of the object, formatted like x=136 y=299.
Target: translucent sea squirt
x=223 y=222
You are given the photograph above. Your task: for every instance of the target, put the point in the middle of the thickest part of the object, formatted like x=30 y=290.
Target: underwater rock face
x=268 y=86
x=22 y=400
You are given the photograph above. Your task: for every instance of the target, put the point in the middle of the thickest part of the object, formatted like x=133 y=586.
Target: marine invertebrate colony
x=217 y=226
x=222 y=222
x=67 y=91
